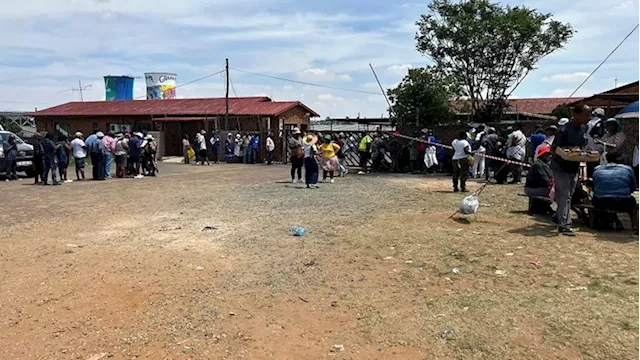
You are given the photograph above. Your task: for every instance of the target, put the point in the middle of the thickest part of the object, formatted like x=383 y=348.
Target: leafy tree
x=561 y=111
x=487 y=48
x=423 y=95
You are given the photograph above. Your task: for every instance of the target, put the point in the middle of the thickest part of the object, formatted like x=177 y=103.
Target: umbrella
x=629 y=112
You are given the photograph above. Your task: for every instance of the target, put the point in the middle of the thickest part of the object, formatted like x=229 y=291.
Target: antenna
x=79 y=89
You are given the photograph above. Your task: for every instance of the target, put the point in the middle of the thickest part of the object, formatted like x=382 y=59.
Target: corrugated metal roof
x=543 y=106
x=260 y=105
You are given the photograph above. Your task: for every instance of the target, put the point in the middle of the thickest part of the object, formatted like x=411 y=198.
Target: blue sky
x=54 y=43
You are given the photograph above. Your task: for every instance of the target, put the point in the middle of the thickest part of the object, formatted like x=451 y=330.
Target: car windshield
x=5 y=137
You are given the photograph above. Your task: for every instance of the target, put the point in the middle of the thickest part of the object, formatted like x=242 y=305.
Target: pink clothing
x=109 y=143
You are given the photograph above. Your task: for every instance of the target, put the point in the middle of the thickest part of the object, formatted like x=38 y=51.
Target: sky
x=49 y=45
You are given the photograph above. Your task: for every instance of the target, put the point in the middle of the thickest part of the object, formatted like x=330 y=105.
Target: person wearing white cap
x=79 y=154
x=98 y=153
x=135 y=152
x=563 y=122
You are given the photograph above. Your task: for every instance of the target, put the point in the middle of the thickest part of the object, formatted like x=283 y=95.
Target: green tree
x=423 y=96
x=561 y=111
x=487 y=48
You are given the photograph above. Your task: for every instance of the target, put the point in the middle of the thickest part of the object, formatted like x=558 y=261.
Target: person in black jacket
x=538 y=182
x=37 y=157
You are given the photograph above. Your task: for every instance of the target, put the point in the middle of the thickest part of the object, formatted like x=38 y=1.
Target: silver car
x=25 y=155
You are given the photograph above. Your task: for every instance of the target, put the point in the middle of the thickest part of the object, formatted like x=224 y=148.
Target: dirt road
x=128 y=268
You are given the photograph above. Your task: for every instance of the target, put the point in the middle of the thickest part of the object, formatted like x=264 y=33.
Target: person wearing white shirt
x=478 y=157
x=271 y=146
x=79 y=154
x=462 y=150
x=516 y=152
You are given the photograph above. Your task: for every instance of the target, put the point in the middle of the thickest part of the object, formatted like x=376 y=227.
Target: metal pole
x=226 y=97
x=80 y=89
x=381 y=89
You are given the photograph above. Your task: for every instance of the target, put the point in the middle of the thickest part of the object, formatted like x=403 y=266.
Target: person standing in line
x=202 y=145
x=37 y=157
x=11 y=156
x=110 y=144
x=135 y=153
x=329 y=160
x=79 y=154
x=64 y=150
x=255 y=147
x=246 y=149
x=271 y=146
x=186 y=145
x=310 y=150
x=49 y=156
x=490 y=142
x=229 y=145
x=516 y=152
x=430 y=155
x=215 y=148
x=122 y=146
x=462 y=150
x=297 y=154
x=91 y=138
x=364 y=150
x=342 y=154
x=478 y=168
x=98 y=152
x=565 y=173
x=378 y=148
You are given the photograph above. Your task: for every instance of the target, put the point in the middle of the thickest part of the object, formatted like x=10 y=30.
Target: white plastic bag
x=469 y=205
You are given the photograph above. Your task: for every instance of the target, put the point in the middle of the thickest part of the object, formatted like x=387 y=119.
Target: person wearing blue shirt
x=135 y=152
x=536 y=139
x=255 y=144
x=91 y=139
x=613 y=186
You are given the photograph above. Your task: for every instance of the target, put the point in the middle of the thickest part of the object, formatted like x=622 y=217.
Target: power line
x=603 y=61
x=232 y=87
x=307 y=83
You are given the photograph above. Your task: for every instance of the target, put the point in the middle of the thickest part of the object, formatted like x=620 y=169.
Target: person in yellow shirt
x=329 y=160
x=364 y=149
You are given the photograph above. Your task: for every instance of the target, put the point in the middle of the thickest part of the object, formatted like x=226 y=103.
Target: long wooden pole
x=226 y=97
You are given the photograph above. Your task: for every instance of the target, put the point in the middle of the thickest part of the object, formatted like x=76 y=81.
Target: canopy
x=629 y=112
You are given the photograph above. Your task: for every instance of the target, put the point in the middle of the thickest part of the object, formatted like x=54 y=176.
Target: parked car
x=25 y=155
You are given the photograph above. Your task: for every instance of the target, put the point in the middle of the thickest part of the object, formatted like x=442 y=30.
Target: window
x=142 y=127
x=94 y=125
x=62 y=128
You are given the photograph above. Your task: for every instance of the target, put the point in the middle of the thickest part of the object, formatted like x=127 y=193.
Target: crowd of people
x=134 y=154
x=241 y=148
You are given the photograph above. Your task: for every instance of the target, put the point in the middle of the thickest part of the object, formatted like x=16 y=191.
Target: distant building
x=518 y=109
x=21 y=119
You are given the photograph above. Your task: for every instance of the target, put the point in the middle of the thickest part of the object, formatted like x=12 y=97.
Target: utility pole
x=226 y=97
x=615 y=82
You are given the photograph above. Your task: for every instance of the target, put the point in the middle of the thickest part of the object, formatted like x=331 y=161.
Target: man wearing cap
x=595 y=131
x=516 y=152
x=565 y=173
x=201 y=143
x=98 y=154
x=135 y=153
x=539 y=180
x=79 y=149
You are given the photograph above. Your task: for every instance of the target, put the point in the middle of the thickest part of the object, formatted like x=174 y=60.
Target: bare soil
x=127 y=268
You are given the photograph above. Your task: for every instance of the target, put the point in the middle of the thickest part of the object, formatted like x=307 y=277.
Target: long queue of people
x=134 y=155
x=241 y=148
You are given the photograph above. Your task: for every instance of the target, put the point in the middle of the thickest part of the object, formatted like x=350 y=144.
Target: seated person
x=538 y=181
x=613 y=186
x=616 y=151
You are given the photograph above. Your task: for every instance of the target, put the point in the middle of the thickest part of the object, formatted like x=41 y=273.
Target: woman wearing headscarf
x=329 y=160
x=615 y=141
x=310 y=165
x=228 y=148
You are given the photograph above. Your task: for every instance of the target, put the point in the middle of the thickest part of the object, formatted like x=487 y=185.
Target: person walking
x=122 y=147
x=37 y=157
x=310 y=150
x=98 y=154
x=11 y=156
x=565 y=173
x=329 y=159
x=460 y=160
x=297 y=154
x=342 y=154
x=201 y=142
x=64 y=150
x=110 y=144
x=271 y=146
x=186 y=145
x=79 y=154
x=50 y=161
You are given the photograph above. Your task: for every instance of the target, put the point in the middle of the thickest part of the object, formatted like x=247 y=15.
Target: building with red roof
x=175 y=118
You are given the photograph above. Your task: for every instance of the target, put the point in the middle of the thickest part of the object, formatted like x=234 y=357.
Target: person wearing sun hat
x=310 y=165
x=329 y=160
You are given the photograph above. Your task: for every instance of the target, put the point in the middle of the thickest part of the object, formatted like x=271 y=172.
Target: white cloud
x=318 y=74
x=399 y=69
x=329 y=97
x=566 y=78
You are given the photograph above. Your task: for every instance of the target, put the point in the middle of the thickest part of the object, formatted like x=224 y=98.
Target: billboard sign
x=160 y=86
x=118 y=88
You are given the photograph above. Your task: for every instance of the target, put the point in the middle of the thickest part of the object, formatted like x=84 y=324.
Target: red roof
x=542 y=106
x=259 y=105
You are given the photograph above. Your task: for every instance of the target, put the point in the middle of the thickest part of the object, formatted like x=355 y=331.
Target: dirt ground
x=127 y=268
